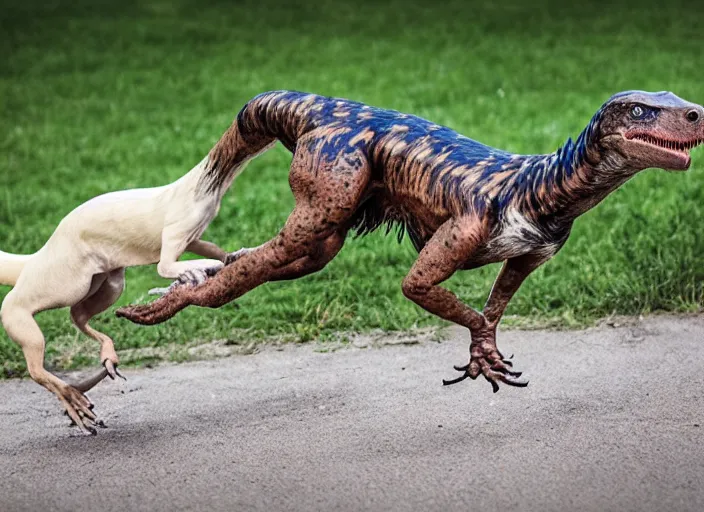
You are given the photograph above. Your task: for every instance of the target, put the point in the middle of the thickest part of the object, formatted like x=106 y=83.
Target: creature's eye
x=637 y=112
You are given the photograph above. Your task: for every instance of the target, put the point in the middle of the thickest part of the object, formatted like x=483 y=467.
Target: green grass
x=96 y=97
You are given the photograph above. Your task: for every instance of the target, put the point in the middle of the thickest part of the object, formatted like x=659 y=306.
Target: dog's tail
x=266 y=118
x=11 y=266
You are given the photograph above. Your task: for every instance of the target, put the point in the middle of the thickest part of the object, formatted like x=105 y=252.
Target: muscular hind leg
x=104 y=297
x=327 y=195
x=18 y=320
x=321 y=253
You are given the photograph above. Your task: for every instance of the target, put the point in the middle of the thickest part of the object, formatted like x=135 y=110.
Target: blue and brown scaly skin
x=463 y=204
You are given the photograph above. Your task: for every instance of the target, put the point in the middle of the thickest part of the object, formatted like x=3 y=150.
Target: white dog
x=82 y=266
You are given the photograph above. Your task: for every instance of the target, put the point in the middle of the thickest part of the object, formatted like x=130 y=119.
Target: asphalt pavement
x=613 y=420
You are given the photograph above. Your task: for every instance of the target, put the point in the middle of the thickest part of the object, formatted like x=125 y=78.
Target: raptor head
x=643 y=129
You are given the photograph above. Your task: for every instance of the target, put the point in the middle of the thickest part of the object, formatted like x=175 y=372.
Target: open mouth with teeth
x=678 y=149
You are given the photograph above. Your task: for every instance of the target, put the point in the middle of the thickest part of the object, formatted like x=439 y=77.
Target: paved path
x=613 y=420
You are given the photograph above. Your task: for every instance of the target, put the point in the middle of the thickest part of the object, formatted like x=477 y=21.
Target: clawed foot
x=488 y=361
x=80 y=409
x=234 y=256
x=78 y=406
x=194 y=277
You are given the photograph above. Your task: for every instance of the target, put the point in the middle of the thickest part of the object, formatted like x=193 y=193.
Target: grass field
x=96 y=97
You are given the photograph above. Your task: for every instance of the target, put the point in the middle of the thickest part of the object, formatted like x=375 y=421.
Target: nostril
x=693 y=116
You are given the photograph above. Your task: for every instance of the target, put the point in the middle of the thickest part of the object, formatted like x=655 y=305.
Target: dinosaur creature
x=463 y=204
x=82 y=266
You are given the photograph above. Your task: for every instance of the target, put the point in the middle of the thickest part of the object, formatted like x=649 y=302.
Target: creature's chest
x=516 y=235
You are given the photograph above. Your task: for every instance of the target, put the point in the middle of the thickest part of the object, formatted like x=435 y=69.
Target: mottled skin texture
x=463 y=204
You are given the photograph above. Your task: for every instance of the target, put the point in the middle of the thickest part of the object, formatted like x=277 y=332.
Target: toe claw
x=516 y=383
x=461 y=368
x=112 y=370
x=446 y=382
x=493 y=383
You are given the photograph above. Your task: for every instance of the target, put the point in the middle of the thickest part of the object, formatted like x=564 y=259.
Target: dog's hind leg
x=50 y=283
x=104 y=297
x=22 y=328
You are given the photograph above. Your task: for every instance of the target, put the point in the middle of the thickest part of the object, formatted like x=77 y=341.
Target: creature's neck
x=193 y=179
x=572 y=180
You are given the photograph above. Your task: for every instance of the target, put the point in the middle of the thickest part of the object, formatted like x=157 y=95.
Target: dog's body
x=82 y=266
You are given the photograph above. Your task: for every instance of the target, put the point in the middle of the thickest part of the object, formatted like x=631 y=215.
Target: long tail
x=11 y=266
x=264 y=119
